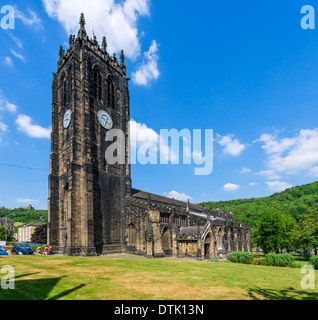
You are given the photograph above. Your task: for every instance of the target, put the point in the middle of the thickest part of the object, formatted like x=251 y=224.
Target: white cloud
x=19 y=56
x=17 y=41
x=30 y=20
x=26 y=201
x=252 y=184
x=231 y=187
x=231 y=146
x=24 y=124
x=8 y=61
x=313 y=172
x=291 y=155
x=117 y=20
x=177 y=195
x=11 y=107
x=3 y=127
x=5 y=105
x=269 y=174
x=278 y=186
x=148 y=70
x=245 y=170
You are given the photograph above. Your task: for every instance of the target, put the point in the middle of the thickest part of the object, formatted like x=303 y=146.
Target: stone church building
x=93 y=208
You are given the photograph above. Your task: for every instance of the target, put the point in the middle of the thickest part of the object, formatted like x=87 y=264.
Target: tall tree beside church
x=288 y=232
x=307 y=232
x=40 y=235
x=269 y=232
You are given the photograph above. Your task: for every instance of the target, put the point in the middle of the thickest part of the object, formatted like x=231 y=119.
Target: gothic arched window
x=98 y=84
x=111 y=93
x=220 y=239
x=232 y=235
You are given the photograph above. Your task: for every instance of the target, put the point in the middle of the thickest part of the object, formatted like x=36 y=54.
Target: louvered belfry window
x=111 y=93
x=98 y=84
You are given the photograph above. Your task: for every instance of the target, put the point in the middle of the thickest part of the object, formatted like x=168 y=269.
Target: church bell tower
x=87 y=195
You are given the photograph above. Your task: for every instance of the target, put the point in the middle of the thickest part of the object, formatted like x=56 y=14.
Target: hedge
x=241 y=257
x=280 y=260
x=314 y=261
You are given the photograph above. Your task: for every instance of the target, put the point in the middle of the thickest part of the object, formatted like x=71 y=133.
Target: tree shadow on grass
x=36 y=289
x=283 y=294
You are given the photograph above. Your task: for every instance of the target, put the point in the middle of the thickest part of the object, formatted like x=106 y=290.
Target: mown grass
x=79 y=278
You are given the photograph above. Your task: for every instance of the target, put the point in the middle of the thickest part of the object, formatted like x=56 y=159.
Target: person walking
x=46 y=250
x=39 y=250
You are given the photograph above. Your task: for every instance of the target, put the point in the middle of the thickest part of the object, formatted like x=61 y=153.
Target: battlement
x=83 y=42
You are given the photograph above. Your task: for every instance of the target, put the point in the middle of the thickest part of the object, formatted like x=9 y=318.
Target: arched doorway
x=166 y=241
x=166 y=236
x=207 y=245
x=132 y=235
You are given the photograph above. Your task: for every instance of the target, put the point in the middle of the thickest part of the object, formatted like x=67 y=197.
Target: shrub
x=306 y=255
x=297 y=265
x=314 y=261
x=241 y=257
x=280 y=260
x=261 y=261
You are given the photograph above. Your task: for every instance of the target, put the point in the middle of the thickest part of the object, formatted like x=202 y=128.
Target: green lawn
x=75 y=278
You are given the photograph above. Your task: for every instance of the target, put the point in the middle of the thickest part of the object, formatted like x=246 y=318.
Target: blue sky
x=245 y=69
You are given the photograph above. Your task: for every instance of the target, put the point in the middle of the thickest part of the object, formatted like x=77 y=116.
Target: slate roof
x=191 y=230
x=193 y=208
x=154 y=197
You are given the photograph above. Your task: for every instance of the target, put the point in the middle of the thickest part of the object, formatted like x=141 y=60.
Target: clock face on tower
x=105 y=119
x=67 y=119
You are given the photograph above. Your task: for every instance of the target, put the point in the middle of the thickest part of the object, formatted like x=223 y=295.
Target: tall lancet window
x=98 y=84
x=111 y=93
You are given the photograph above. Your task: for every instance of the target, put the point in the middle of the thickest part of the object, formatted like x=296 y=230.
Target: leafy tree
x=275 y=231
x=10 y=237
x=40 y=235
x=269 y=233
x=288 y=232
x=307 y=232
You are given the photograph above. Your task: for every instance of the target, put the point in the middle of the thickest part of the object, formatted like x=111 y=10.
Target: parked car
x=29 y=243
x=3 y=252
x=22 y=249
